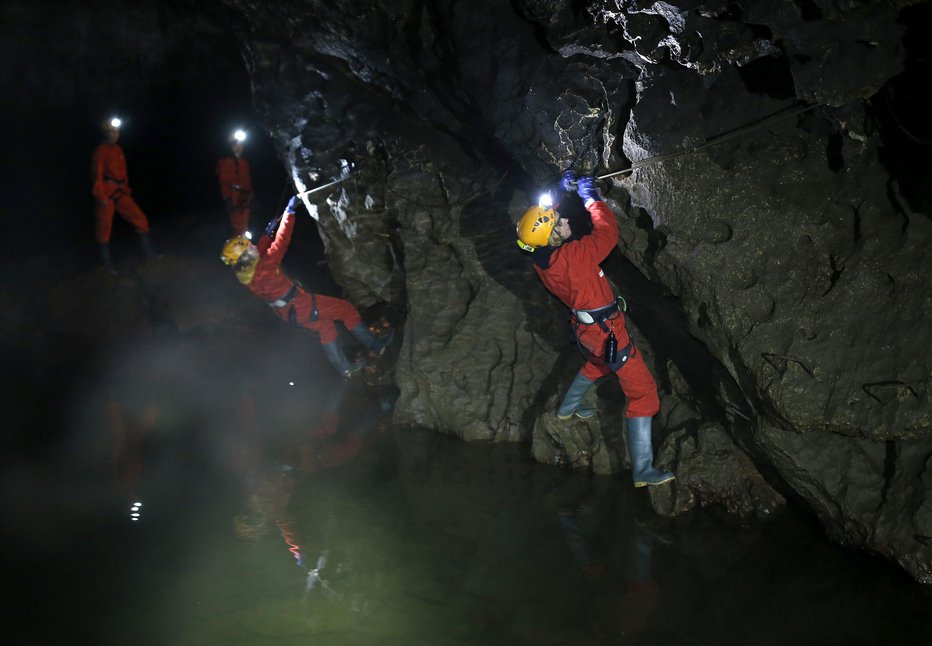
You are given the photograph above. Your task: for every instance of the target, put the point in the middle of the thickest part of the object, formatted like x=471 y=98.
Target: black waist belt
x=285 y=298
x=590 y=317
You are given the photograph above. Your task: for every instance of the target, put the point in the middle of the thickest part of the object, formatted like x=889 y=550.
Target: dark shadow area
x=768 y=75
x=900 y=113
x=180 y=86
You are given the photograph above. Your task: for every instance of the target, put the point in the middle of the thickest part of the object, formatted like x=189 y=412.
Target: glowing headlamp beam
x=116 y=122
x=239 y=135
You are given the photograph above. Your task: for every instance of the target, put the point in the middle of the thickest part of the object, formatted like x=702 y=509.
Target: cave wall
x=769 y=218
x=772 y=239
x=803 y=272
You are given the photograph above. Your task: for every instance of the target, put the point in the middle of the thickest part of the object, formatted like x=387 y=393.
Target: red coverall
x=574 y=276
x=270 y=284
x=112 y=192
x=236 y=189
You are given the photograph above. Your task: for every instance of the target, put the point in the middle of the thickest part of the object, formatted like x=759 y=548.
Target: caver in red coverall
x=299 y=307
x=236 y=188
x=572 y=273
x=570 y=269
x=112 y=193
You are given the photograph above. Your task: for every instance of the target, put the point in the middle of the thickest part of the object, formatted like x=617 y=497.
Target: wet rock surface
x=771 y=224
x=774 y=248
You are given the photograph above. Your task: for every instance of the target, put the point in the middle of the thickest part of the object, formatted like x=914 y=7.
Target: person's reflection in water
x=621 y=609
x=270 y=486
x=128 y=430
x=141 y=424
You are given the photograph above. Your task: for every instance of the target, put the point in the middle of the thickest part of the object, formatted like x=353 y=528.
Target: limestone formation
x=773 y=241
x=757 y=211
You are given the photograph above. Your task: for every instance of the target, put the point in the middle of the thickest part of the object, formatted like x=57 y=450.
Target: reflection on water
x=334 y=527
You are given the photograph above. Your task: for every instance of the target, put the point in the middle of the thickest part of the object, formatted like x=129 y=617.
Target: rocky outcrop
x=781 y=291
x=773 y=231
x=800 y=274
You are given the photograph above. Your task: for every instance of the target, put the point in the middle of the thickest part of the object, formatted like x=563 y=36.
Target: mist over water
x=306 y=515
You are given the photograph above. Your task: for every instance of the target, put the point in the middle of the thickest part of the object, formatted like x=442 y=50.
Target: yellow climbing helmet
x=534 y=227
x=232 y=256
x=233 y=249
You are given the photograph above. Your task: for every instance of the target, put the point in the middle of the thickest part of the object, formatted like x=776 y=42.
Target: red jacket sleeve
x=275 y=249
x=604 y=237
x=245 y=178
x=226 y=177
x=97 y=176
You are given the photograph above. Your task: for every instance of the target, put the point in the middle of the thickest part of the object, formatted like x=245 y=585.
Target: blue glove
x=568 y=181
x=585 y=186
x=272 y=225
x=292 y=204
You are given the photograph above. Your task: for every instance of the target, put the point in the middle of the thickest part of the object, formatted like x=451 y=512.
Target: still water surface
x=358 y=532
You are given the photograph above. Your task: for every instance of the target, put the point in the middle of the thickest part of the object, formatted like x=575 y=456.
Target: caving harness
x=119 y=192
x=285 y=299
x=604 y=316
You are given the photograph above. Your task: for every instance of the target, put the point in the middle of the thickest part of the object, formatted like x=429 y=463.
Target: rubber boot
x=146 y=245
x=641 y=452
x=105 y=261
x=572 y=400
x=376 y=344
x=339 y=361
x=640 y=546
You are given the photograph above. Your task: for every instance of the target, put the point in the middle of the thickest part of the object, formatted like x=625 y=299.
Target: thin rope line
x=756 y=125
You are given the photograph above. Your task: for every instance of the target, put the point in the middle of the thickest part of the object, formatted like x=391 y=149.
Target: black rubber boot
x=641 y=451
x=376 y=344
x=572 y=400
x=106 y=262
x=146 y=245
x=339 y=361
